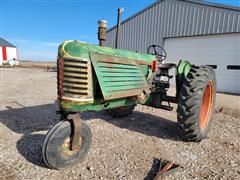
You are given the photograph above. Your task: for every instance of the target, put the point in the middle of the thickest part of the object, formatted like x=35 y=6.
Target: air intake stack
x=102 y=31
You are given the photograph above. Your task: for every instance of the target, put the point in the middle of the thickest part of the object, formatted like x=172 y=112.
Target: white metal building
x=201 y=32
x=7 y=51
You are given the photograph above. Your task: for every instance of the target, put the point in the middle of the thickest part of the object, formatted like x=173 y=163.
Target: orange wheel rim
x=207 y=103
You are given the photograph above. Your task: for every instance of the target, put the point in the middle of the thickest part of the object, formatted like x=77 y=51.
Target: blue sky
x=37 y=27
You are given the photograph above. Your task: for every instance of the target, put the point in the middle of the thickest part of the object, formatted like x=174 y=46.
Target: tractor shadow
x=141 y=122
x=30 y=122
x=33 y=122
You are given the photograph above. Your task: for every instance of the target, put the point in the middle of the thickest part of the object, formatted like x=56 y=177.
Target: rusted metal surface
x=76 y=135
x=119 y=77
x=66 y=148
x=123 y=73
x=128 y=93
x=120 y=11
x=142 y=98
x=80 y=50
x=102 y=31
x=118 y=60
x=77 y=83
x=166 y=167
x=59 y=77
x=98 y=105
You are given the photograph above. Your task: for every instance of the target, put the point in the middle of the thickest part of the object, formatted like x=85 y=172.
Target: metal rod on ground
x=120 y=11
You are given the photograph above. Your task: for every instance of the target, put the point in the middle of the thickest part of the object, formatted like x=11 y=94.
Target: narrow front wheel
x=56 y=150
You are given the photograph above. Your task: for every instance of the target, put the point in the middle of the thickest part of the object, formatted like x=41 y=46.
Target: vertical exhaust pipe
x=102 y=31
x=120 y=11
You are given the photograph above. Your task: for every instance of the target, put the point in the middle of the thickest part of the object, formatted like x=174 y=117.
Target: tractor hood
x=119 y=73
x=78 y=49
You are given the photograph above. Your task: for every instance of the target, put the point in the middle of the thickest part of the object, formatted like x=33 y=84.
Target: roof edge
x=200 y=2
x=136 y=14
x=217 y=5
x=8 y=44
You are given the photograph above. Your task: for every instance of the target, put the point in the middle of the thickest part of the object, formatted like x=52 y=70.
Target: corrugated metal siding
x=173 y=18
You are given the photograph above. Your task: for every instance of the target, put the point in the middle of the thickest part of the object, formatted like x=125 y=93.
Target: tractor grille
x=76 y=82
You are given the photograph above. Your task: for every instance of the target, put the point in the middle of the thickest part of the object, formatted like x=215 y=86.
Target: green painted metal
x=154 y=99
x=77 y=49
x=119 y=70
x=123 y=66
x=121 y=75
x=132 y=67
x=123 y=83
x=182 y=70
x=145 y=69
x=110 y=70
x=126 y=79
x=98 y=105
x=124 y=88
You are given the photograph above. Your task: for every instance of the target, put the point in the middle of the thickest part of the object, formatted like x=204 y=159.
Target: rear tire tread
x=189 y=102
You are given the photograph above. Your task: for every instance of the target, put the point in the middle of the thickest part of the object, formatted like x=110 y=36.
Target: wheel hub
x=66 y=147
x=207 y=104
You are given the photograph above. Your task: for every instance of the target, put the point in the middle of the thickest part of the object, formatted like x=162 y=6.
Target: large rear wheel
x=196 y=103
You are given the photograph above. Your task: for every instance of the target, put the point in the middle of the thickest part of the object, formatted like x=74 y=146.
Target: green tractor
x=96 y=78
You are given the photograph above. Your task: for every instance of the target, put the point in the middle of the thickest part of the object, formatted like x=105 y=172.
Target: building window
x=212 y=66
x=233 y=67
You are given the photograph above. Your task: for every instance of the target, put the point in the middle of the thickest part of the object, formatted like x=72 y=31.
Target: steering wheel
x=158 y=51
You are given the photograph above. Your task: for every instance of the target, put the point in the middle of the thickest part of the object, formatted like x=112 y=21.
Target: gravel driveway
x=126 y=148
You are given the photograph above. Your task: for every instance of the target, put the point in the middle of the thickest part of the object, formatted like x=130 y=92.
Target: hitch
x=76 y=130
x=165 y=168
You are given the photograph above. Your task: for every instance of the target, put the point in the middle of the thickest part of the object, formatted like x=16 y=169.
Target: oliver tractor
x=95 y=78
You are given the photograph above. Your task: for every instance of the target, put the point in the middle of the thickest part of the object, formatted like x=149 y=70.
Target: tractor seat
x=167 y=65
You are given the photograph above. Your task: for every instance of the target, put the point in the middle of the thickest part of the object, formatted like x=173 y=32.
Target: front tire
x=56 y=147
x=196 y=103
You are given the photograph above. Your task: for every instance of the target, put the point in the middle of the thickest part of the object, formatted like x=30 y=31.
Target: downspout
x=120 y=11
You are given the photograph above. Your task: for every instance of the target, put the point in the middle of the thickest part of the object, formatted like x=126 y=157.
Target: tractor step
x=166 y=107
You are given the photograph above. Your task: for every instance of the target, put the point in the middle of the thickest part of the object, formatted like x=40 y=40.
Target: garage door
x=220 y=51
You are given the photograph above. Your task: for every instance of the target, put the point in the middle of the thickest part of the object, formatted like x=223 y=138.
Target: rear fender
x=182 y=71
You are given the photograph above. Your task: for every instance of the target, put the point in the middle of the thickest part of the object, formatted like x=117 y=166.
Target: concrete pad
x=226 y=103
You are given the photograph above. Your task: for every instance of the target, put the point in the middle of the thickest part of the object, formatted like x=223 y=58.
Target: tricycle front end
x=94 y=78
